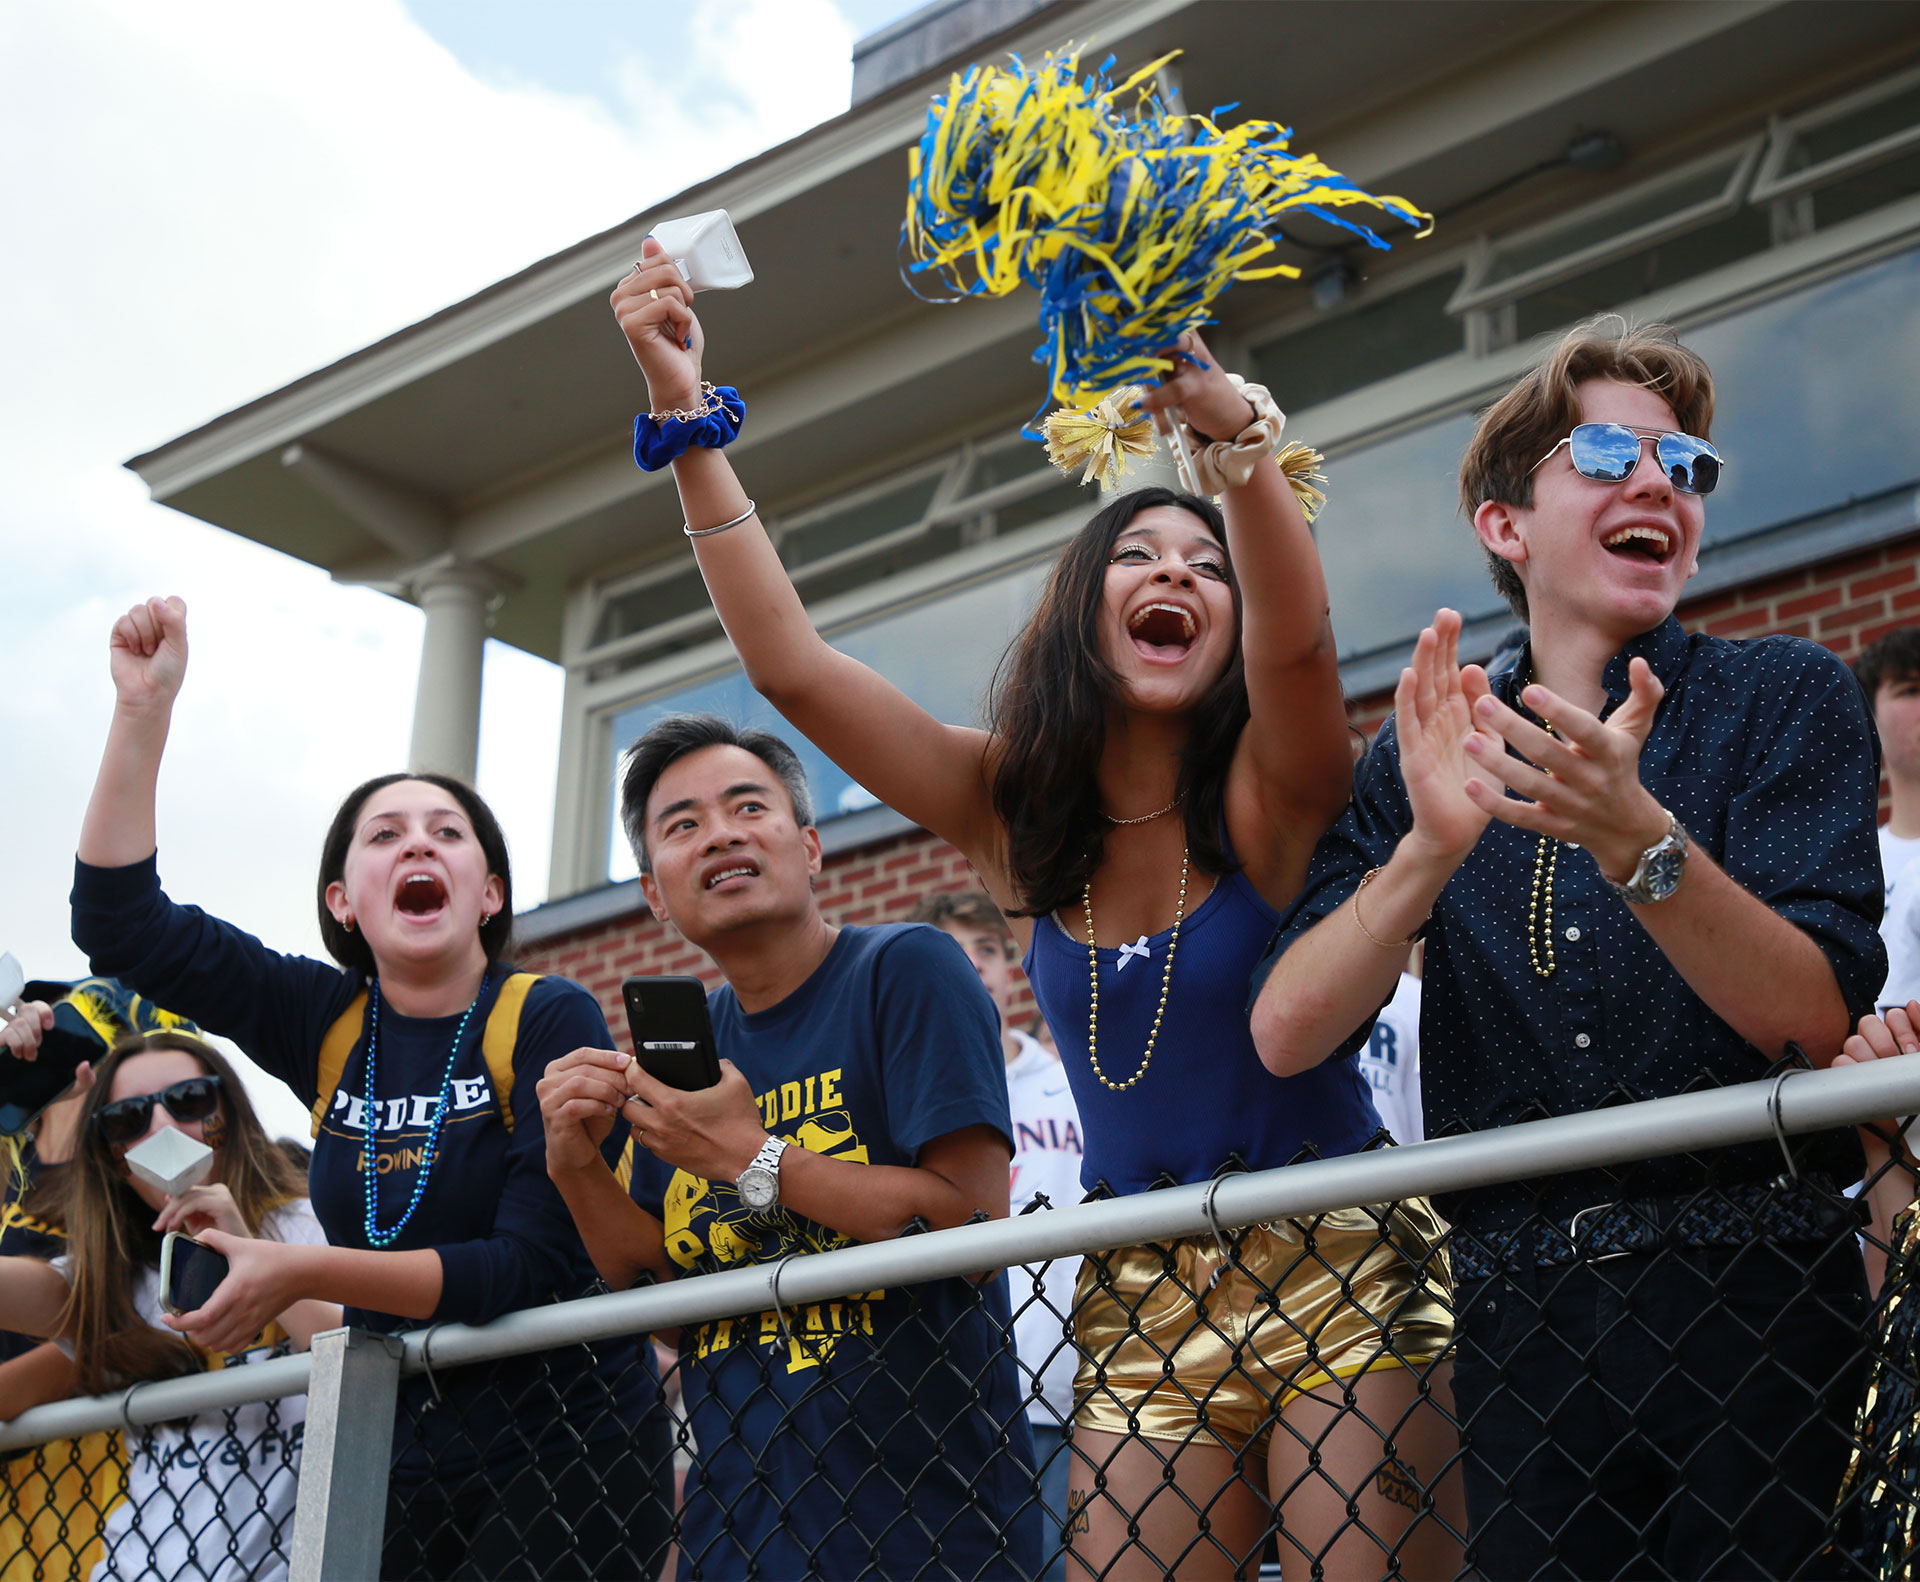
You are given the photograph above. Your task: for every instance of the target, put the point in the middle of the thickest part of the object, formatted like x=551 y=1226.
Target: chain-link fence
x=1689 y=1381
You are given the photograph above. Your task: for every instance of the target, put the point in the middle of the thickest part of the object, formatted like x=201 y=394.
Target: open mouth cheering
x=1163 y=630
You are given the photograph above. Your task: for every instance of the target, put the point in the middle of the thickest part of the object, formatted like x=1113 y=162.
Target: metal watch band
x=1657 y=874
x=759 y=1184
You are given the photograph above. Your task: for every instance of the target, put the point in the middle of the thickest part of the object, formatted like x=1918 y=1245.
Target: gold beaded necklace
x=1540 y=905
x=1166 y=980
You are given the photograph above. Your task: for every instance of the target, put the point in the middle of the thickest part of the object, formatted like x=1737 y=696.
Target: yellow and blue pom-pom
x=1130 y=225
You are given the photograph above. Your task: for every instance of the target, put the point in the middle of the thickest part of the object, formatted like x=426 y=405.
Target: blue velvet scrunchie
x=656 y=443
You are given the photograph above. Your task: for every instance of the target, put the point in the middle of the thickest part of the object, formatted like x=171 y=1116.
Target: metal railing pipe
x=162 y=1401
x=1797 y=1102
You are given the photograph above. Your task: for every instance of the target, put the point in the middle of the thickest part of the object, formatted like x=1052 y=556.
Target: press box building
x=1748 y=169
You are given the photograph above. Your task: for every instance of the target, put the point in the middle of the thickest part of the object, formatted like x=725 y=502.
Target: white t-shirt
x=211 y=1499
x=1046 y=1159
x=1391 y=1063
x=1900 y=926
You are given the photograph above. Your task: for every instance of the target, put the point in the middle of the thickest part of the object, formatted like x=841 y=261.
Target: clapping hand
x=1581 y=781
x=1443 y=746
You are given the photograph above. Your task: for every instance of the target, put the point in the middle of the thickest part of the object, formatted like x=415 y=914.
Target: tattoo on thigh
x=1394 y=1483
x=1077 y=1511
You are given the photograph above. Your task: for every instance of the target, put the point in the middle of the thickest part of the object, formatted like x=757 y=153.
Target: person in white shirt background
x=1390 y=1058
x=1046 y=1163
x=1889 y=674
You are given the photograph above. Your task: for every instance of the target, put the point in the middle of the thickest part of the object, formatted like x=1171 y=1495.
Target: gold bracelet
x=1366 y=879
x=709 y=404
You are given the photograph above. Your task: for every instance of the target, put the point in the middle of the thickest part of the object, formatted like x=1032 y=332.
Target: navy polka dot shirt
x=1765 y=752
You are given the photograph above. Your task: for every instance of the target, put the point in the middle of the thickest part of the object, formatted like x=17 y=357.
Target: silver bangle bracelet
x=708 y=532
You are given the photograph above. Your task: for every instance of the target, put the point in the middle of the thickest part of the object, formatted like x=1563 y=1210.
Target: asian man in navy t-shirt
x=862 y=1090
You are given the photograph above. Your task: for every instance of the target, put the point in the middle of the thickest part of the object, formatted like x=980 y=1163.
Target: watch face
x=759 y=1187
x=1663 y=872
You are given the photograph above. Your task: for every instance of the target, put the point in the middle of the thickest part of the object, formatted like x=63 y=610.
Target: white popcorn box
x=707 y=250
x=171 y=1161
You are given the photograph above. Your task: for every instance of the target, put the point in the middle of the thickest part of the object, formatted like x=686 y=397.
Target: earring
x=347 y=924
x=485 y=918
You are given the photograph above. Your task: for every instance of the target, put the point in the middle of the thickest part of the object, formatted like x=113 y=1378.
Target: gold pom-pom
x=1302 y=464
x=1101 y=440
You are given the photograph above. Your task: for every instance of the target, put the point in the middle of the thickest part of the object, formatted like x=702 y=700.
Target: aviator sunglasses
x=126 y=1120
x=1608 y=453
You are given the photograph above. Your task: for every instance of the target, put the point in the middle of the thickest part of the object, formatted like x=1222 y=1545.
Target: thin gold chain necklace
x=1144 y=818
x=1166 y=981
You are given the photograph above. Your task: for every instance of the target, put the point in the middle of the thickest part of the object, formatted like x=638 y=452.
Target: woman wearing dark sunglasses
x=212 y=1496
x=423 y=1037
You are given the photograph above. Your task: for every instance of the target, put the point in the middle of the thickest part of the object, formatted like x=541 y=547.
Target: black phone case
x=672 y=1032
x=193 y=1275
x=27 y=1087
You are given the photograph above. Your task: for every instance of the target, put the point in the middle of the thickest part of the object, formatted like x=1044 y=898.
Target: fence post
x=341 y=1516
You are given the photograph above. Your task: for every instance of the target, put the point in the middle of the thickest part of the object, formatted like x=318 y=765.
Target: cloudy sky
x=208 y=198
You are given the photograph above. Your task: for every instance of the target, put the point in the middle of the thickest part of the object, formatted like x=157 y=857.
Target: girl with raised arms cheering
x=419 y=1054
x=1167 y=742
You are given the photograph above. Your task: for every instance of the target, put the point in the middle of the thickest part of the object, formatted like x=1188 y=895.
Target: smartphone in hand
x=672 y=1032
x=189 y=1273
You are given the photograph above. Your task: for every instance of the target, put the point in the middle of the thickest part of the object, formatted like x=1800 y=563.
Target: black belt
x=1808 y=1209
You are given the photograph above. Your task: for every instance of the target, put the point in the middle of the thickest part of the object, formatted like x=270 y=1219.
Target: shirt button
x=1581 y=1040
x=1573 y=934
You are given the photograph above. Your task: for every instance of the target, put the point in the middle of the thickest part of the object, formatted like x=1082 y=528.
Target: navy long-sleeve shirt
x=1765 y=753
x=503 y=1233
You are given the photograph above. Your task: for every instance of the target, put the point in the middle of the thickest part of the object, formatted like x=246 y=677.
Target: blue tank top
x=1205 y=1095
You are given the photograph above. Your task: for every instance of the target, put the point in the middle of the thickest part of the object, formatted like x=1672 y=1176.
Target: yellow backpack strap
x=334 y=1049
x=623 y=1171
x=503 y=1030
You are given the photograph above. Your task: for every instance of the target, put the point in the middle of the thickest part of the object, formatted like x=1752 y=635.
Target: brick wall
x=1843 y=603
x=1846 y=604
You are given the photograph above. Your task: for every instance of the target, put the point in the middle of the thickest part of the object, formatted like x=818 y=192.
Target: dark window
x=653 y=605
x=1370 y=342
x=885 y=513
x=1655 y=268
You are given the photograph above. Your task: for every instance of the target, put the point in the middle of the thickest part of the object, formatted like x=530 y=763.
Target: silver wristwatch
x=759 y=1184
x=1657 y=875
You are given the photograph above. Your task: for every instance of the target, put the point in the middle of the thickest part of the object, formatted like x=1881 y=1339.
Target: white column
x=446 y=708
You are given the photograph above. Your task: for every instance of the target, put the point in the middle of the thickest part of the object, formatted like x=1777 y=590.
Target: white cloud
x=206 y=199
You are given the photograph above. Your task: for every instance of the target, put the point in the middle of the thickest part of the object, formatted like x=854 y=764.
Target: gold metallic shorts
x=1298 y=1305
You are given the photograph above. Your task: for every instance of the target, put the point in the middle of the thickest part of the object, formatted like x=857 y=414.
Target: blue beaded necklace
x=386 y=1238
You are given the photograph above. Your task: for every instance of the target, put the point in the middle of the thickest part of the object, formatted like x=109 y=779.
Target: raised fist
x=149 y=654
